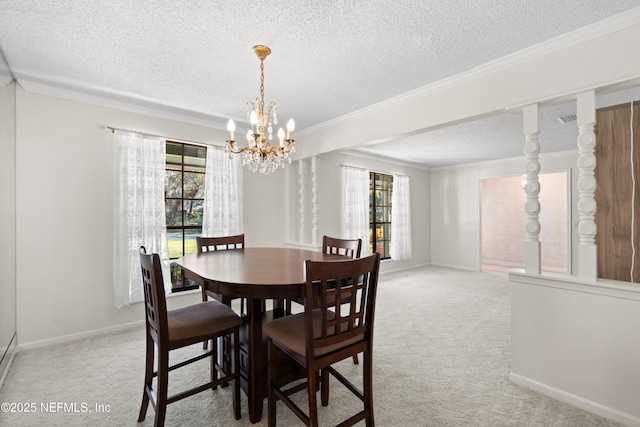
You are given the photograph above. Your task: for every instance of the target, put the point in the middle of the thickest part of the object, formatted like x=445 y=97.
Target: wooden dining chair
x=170 y=330
x=223 y=243
x=346 y=247
x=333 y=245
x=328 y=331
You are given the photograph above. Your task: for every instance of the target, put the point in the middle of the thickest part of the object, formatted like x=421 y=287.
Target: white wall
x=7 y=223
x=64 y=190
x=578 y=342
x=264 y=208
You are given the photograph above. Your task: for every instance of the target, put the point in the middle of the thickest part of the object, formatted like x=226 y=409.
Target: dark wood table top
x=253 y=272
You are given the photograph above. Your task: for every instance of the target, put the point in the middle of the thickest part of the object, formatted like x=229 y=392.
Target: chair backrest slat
x=154 y=298
x=347 y=247
x=210 y=244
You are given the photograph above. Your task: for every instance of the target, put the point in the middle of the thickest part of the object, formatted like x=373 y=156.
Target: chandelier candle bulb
x=231 y=127
x=290 y=128
x=254 y=123
x=281 y=136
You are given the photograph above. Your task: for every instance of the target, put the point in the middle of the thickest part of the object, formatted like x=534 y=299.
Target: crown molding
x=573 y=38
x=104 y=98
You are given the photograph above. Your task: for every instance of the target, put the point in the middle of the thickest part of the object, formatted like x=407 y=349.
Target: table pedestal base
x=253 y=348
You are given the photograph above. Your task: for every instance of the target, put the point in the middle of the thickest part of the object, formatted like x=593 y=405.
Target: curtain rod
x=114 y=129
x=374 y=171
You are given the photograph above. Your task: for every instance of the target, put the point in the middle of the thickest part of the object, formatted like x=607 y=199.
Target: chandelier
x=260 y=153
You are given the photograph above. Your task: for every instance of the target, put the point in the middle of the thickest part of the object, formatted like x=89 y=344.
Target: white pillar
x=302 y=218
x=532 y=189
x=587 y=249
x=288 y=206
x=314 y=201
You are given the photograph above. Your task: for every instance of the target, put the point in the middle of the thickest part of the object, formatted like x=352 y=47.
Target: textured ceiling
x=330 y=58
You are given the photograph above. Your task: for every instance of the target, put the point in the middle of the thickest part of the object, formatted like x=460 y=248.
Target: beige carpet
x=442 y=357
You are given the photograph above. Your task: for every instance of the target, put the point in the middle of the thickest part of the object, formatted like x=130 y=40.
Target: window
x=380 y=190
x=184 y=200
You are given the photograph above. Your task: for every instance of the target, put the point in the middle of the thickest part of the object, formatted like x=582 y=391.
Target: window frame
x=177 y=282
x=385 y=204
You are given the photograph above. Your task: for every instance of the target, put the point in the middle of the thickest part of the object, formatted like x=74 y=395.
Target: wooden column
x=532 y=189
x=587 y=249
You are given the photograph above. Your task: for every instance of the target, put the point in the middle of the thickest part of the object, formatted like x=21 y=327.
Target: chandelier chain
x=262 y=86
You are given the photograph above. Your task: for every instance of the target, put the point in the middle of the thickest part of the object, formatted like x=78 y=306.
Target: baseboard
x=75 y=337
x=408 y=268
x=577 y=401
x=546 y=268
x=7 y=360
x=456 y=267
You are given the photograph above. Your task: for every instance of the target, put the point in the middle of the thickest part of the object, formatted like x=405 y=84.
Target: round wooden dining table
x=257 y=274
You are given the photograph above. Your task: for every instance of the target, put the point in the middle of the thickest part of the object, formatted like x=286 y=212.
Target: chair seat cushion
x=289 y=331
x=197 y=322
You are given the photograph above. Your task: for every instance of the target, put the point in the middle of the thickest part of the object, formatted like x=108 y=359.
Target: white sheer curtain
x=356 y=205
x=139 y=216
x=400 y=218
x=222 y=214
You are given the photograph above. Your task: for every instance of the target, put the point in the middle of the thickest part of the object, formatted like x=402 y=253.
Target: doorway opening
x=503 y=223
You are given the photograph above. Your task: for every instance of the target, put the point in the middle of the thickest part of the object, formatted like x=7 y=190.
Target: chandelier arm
x=231 y=150
x=272 y=106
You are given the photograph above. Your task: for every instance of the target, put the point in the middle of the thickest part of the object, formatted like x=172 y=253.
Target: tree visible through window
x=184 y=199
x=380 y=190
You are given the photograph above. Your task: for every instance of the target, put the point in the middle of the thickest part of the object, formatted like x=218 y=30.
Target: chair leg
x=148 y=379
x=324 y=387
x=271 y=409
x=204 y=299
x=163 y=386
x=312 y=386
x=236 y=372
x=214 y=360
x=367 y=385
x=355 y=359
